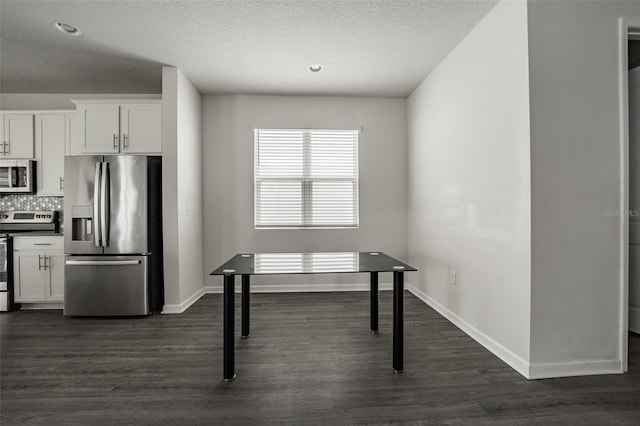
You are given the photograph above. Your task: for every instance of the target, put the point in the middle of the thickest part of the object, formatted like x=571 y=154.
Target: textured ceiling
x=368 y=48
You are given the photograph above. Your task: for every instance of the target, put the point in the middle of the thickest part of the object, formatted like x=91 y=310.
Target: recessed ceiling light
x=67 y=28
x=315 y=67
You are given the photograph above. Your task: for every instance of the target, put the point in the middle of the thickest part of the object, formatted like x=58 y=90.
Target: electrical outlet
x=453 y=277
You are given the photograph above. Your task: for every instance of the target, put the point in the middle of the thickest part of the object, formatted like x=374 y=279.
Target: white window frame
x=307 y=181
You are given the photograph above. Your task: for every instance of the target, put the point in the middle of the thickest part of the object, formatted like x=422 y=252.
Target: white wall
x=228 y=123
x=48 y=101
x=182 y=191
x=575 y=176
x=469 y=185
x=189 y=206
x=170 y=189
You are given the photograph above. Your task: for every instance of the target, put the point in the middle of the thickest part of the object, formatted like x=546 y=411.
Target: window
x=306 y=178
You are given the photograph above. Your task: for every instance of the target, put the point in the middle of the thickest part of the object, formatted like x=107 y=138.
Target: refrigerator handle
x=105 y=188
x=102 y=262
x=96 y=206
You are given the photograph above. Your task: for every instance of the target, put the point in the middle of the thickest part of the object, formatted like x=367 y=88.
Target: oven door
x=6 y=279
x=17 y=176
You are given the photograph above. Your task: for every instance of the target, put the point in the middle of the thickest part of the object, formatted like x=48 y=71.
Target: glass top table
x=310 y=263
x=247 y=264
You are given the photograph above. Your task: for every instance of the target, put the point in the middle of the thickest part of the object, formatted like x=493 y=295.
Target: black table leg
x=398 y=321
x=245 y=306
x=229 y=341
x=374 y=302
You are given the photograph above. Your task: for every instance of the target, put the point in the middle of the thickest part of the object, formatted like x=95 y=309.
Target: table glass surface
x=310 y=263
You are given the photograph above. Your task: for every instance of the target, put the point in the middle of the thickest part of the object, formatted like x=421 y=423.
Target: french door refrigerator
x=113 y=235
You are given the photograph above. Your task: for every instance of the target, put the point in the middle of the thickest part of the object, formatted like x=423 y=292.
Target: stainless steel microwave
x=17 y=176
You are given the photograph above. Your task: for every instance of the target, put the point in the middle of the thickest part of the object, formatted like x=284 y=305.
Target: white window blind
x=306 y=178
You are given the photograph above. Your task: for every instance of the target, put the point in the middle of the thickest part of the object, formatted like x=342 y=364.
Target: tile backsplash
x=30 y=202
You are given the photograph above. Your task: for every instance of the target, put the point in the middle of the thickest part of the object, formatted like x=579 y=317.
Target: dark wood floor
x=310 y=360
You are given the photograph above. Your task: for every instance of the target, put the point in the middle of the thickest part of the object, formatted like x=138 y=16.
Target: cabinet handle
x=115 y=141
x=125 y=141
x=39 y=262
x=46 y=262
x=41 y=244
x=8 y=146
x=61 y=184
x=4 y=147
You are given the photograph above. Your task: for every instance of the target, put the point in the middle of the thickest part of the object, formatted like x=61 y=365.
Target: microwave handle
x=29 y=175
x=13 y=177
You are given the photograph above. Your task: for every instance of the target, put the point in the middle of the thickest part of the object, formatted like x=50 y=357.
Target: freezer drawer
x=106 y=285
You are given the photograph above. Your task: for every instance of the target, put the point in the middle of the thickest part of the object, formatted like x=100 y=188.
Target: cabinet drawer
x=38 y=243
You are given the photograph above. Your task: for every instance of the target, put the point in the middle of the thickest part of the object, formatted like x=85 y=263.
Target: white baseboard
x=300 y=288
x=574 y=368
x=634 y=318
x=525 y=368
x=180 y=308
x=513 y=360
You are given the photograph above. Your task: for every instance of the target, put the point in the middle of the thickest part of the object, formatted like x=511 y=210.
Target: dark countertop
x=31 y=234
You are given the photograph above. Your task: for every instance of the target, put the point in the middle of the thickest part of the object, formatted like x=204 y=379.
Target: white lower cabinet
x=38 y=269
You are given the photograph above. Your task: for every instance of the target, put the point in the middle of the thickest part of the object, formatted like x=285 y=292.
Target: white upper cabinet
x=53 y=131
x=118 y=128
x=17 y=136
x=141 y=128
x=100 y=127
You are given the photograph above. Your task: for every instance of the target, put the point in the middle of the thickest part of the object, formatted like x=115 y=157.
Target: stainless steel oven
x=6 y=278
x=17 y=176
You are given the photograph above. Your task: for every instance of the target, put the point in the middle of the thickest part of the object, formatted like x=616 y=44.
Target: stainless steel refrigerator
x=113 y=235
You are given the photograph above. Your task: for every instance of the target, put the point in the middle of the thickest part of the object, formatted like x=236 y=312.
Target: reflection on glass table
x=304 y=263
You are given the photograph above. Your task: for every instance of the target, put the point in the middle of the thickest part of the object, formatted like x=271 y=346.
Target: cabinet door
x=18 y=136
x=54 y=277
x=99 y=127
x=28 y=277
x=141 y=128
x=51 y=138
